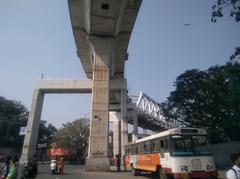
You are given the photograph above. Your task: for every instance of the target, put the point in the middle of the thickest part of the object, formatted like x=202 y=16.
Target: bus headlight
x=209 y=167
x=184 y=168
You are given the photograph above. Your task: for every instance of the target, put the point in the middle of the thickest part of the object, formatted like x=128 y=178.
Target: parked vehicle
x=175 y=153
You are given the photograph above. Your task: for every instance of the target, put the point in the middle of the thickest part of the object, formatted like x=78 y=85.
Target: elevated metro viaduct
x=102 y=30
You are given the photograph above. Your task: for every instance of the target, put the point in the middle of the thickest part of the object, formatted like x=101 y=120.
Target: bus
x=178 y=153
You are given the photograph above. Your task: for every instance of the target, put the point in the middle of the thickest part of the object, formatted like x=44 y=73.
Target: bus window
x=166 y=149
x=162 y=148
x=141 y=149
x=201 y=145
x=157 y=146
x=161 y=144
x=182 y=145
x=190 y=145
x=153 y=147
x=131 y=150
x=148 y=147
x=145 y=148
x=136 y=149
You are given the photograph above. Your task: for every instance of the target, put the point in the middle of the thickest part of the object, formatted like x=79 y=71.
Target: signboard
x=58 y=151
x=22 y=130
x=44 y=145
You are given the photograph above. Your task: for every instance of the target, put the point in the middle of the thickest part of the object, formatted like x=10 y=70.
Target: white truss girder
x=152 y=110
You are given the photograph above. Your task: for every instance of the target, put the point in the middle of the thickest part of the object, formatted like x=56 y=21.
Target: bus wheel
x=162 y=174
x=170 y=176
x=134 y=171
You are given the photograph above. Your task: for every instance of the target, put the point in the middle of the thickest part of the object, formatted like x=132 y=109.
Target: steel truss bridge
x=150 y=114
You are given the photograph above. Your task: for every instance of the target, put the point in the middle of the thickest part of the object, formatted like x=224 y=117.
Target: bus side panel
x=166 y=164
x=133 y=161
x=148 y=162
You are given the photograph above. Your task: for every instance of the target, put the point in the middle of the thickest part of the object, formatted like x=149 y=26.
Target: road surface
x=78 y=172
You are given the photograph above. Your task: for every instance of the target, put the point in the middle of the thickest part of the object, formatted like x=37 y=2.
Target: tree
x=221 y=5
x=74 y=136
x=13 y=115
x=46 y=132
x=234 y=11
x=208 y=99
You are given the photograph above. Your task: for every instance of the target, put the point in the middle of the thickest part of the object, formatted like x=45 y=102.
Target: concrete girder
x=102 y=30
x=43 y=87
x=112 y=18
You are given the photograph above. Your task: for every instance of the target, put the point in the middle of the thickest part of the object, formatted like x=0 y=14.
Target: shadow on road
x=149 y=175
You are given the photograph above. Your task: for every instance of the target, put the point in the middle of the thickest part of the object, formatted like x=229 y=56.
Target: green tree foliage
x=74 y=136
x=46 y=132
x=234 y=11
x=13 y=115
x=208 y=99
x=221 y=5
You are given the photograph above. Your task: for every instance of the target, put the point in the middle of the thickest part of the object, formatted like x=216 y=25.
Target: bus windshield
x=189 y=145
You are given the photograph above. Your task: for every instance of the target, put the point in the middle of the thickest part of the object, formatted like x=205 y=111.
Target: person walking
x=124 y=163
x=13 y=169
x=30 y=167
x=234 y=172
x=6 y=167
x=118 y=162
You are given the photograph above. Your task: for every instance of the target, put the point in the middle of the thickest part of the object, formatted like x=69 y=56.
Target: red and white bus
x=175 y=153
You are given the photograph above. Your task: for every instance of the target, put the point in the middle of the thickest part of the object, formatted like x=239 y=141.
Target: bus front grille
x=196 y=164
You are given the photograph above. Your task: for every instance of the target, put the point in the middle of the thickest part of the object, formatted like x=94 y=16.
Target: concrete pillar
x=135 y=127
x=116 y=133
x=124 y=124
x=30 y=140
x=99 y=125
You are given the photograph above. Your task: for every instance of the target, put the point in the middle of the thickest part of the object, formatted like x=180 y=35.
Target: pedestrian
x=32 y=168
x=118 y=162
x=234 y=172
x=124 y=163
x=13 y=169
x=35 y=166
x=6 y=167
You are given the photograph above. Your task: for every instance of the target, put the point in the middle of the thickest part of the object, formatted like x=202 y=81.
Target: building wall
x=222 y=153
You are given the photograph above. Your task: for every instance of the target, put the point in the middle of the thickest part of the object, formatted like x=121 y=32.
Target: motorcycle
x=24 y=173
x=53 y=167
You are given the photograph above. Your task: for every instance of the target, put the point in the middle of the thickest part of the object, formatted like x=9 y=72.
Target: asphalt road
x=78 y=172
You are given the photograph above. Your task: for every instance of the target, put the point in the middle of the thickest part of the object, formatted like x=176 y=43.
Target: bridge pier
x=135 y=126
x=116 y=132
x=30 y=140
x=124 y=123
x=98 y=157
x=42 y=87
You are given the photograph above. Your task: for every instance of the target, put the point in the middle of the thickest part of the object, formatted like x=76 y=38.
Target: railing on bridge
x=152 y=111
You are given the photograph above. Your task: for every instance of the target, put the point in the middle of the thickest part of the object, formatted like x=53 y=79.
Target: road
x=78 y=172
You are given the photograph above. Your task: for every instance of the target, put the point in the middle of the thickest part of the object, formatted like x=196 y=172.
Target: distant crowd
x=9 y=168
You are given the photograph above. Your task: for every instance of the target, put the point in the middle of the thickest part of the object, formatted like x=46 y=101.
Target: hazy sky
x=36 y=38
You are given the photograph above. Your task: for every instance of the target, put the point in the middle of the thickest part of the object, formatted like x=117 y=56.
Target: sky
x=36 y=38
